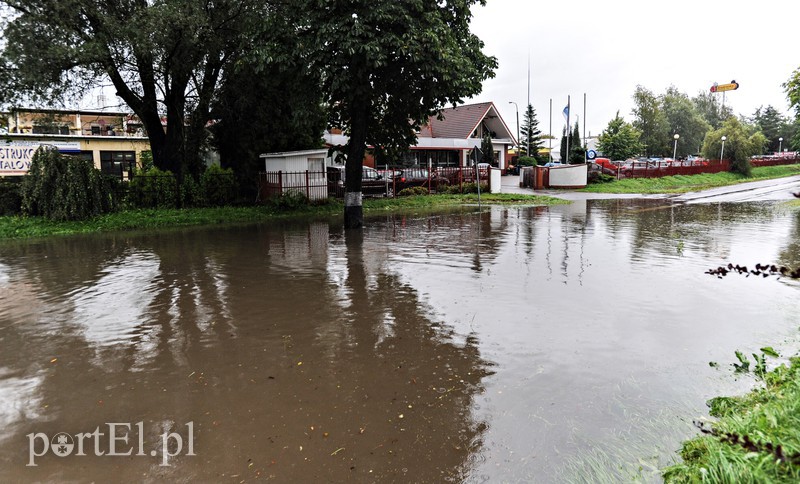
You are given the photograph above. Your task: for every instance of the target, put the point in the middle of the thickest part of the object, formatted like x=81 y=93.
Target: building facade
x=113 y=141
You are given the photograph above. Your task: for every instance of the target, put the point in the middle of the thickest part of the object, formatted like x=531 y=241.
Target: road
x=764 y=190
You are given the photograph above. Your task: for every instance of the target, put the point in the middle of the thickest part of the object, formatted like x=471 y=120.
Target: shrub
x=597 y=177
x=289 y=200
x=218 y=186
x=62 y=187
x=526 y=161
x=412 y=191
x=10 y=197
x=153 y=189
x=191 y=193
x=467 y=188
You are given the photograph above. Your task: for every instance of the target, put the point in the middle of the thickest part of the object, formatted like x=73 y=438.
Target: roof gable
x=460 y=122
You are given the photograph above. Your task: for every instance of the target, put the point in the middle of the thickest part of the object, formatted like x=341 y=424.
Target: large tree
x=774 y=126
x=710 y=109
x=651 y=122
x=164 y=58
x=792 y=88
x=531 y=135
x=684 y=120
x=386 y=67
x=620 y=140
x=741 y=142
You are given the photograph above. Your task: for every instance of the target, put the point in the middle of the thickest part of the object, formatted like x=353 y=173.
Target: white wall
x=569 y=176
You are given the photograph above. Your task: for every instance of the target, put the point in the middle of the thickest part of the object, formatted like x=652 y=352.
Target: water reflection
x=517 y=344
x=291 y=349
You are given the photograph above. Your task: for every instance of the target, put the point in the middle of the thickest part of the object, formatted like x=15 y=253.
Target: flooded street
x=520 y=344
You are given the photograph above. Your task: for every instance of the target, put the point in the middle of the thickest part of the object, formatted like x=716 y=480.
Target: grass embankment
x=756 y=439
x=23 y=227
x=690 y=183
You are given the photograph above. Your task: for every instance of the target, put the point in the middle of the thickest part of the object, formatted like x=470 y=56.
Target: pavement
x=764 y=190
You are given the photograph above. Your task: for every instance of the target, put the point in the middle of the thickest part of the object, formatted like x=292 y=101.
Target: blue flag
x=566 y=113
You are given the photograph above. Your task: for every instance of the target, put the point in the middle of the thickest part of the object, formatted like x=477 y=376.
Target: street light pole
x=780 y=145
x=722 y=150
x=675 y=149
x=517 y=109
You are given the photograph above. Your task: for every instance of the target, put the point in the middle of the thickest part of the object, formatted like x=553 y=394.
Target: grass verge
x=690 y=183
x=25 y=227
x=756 y=439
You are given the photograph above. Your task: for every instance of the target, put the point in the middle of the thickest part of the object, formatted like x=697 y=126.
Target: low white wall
x=570 y=176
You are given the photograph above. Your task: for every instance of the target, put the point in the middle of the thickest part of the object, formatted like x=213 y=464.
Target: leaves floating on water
x=764 y=270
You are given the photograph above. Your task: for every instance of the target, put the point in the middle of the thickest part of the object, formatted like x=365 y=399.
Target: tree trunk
x=353 y=210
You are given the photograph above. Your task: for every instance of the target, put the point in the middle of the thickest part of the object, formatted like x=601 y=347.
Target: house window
x=50 y=129
x=114 y=163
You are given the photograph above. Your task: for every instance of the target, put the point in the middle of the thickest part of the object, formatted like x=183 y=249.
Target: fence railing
x=389 y=182
x=656 y=170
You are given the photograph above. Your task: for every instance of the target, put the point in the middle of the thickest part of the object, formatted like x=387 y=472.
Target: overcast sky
x=605 y=49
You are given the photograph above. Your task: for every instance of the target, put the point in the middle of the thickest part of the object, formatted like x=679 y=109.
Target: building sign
x=16 y=156
x=732 y=86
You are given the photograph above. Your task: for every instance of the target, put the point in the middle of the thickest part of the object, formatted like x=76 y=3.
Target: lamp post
x=722 y=150
x=517 y=109
x=675 y=149
x=780 y=144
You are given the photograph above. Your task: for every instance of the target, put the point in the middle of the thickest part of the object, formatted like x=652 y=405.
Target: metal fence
x=389 y=182
x=775 y=161
x=656 y=170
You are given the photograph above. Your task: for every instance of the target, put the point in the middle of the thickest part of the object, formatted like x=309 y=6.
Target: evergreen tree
x=487 y=150
x=531 y=135
x=563 y=149
x=576 y=148
x=620 y=140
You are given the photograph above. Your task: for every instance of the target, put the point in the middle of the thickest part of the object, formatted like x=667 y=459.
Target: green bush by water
x=757 y=436
x=61 y=187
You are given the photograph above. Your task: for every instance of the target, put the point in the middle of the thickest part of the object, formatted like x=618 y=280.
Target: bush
x=412 y=191
x=467 y=188
x=62 y=187
x=153 y=189
x=597 y=177
x=218 y=186
x=191 y=193
x=10 y=196
x=526 y=161
x=289 y=200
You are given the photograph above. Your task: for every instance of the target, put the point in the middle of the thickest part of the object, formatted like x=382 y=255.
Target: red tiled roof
x=459 y=122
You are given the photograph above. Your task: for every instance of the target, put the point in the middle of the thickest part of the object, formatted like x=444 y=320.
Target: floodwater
x=519 y=344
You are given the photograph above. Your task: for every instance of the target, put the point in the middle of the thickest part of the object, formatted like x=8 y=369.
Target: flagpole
x=528 y=149
x=568 y=133
x=584 y=128
x=550 y=139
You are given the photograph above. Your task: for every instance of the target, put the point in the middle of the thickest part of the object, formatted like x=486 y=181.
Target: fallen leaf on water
x=53 y=360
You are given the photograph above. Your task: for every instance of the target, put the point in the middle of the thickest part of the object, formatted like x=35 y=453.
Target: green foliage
x=218 y=186
x=467 y=188
x=161 y=56
x=651 y=121
x=773 y=126
x=527 y=161
x=412 y=191
x=531 y=135
x=153 y=188
x=576 y=148
x=289 y=200
x=792 y=89
x=10 y=196
x=757 y=436
x=683 y=119
x=61 y=187
x=741 y=143
x=597 y=177
x=709 y=108
x=191 y=193
x=146 y=160
x=487 y=150
x=388 y=67
x=620 y=140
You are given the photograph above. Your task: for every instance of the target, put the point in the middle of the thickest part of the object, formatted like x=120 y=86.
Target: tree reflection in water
x=245 y=333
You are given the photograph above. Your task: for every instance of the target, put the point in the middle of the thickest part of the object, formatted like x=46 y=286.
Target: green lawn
x=755 y=439
x=22 y=227
x=690 y=183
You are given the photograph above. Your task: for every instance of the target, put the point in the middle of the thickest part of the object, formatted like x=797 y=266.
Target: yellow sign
x=725 y=87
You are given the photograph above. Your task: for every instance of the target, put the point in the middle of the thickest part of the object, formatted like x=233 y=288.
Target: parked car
x=373 y=184
x=553 y=163
x=418 y=177
x=609 y=168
